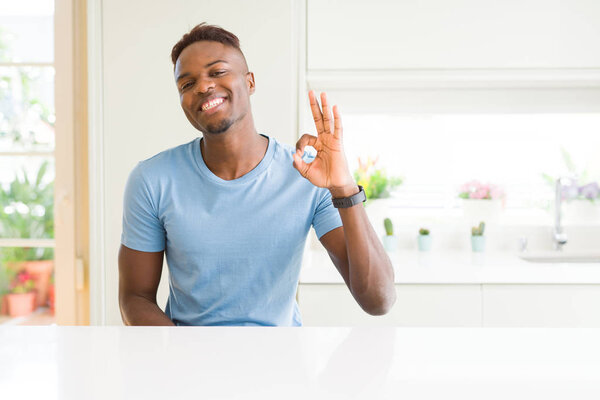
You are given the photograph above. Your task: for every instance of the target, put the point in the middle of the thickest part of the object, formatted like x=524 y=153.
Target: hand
x=329 y=169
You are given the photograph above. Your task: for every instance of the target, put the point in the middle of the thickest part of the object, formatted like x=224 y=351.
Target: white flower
x=38 y=211
x=22 y=208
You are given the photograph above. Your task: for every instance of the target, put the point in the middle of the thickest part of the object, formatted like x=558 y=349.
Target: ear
x=250 y=82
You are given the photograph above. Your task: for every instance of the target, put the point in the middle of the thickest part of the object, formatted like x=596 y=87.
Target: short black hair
x=207 y=32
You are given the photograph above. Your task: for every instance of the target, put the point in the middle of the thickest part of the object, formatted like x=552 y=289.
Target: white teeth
x=212 y=103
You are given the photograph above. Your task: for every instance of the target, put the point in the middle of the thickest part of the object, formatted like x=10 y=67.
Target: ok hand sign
x=330 y=168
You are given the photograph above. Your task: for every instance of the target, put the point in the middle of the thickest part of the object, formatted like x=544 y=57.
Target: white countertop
x=454 y=267
x=300 y=363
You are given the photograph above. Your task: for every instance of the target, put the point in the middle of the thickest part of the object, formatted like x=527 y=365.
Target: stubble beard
x=219 y=127
x=223 y=125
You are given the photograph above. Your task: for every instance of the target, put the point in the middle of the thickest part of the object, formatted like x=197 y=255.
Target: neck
x=235 y=152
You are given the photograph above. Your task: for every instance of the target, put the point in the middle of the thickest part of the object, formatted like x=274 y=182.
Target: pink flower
x=477 y=190
x=478 y=194
x=23 y=277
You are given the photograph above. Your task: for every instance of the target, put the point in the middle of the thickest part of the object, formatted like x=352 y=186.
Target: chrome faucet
x=559 y=237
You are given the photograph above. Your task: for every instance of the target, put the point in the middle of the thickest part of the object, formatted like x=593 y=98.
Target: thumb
x=299 y=164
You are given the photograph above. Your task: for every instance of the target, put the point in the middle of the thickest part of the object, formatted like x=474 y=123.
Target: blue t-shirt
x=234 y=248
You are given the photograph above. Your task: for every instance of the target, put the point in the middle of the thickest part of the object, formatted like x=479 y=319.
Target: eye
x=186 y=85
x=218 y=73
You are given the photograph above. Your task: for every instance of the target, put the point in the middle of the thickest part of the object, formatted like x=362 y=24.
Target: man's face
x=214 y=86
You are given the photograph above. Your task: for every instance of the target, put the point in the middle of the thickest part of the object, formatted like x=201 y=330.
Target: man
x=233 y=215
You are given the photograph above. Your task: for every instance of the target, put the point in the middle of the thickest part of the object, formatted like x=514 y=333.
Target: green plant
x=389 y=227
x=423 y=231
x=375 y=181
x=583 y=176
x=478 y=230
x=6 y=276
x=27 y=212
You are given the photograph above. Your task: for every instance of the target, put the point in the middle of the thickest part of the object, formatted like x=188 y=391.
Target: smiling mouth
x=212 y=104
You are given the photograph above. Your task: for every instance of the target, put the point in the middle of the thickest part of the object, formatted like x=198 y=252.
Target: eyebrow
x=186 y=74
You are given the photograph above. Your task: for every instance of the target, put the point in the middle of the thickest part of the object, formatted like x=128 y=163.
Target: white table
x=299 y=363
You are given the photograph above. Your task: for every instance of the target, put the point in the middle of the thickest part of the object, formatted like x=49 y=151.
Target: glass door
x=27 y=172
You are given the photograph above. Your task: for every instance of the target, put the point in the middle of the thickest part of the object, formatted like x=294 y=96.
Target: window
x=437 y=153
x=438 y=139
x=27 y=145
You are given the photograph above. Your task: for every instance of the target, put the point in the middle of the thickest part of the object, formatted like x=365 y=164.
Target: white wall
x=141 y=115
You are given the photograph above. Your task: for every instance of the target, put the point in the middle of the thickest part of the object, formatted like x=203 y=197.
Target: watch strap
x=350 y=201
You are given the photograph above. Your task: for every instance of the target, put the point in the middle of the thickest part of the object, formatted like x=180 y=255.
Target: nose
x=204 y=84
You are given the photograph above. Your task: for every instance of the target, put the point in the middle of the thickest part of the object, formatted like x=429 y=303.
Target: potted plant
x=477 y=238
x=390 y=241
x=375 y=181
x=582 y=204
x=481 y=201
x=424 y=240
x=28 y=212
x=581 y=196
x=377 y=186
x=21 y=299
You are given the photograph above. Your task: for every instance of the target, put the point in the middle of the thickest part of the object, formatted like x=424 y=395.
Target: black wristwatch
x=353 y=200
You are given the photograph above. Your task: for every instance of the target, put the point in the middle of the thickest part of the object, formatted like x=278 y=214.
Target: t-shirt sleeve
x=142 y=228
x=326 y=216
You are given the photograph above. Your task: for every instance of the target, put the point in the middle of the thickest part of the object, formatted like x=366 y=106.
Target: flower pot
x=20 y=304
x=4 y=305
x=390 y=243
x=424 y=242
x=476 y=210
x=40 y=272
x=478 y=243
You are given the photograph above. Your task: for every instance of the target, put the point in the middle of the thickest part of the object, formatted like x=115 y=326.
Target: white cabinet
x=416 y=305
x=452 y=305
x=541 y=305
x=460 y=34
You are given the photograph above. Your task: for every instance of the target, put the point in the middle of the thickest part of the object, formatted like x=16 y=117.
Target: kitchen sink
x=560 y=257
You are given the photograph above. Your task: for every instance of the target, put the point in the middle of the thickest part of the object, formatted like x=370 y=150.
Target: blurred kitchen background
x=474 y=126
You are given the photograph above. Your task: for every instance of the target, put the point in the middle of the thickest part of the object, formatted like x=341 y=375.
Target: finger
x=327 y=120
x=306 y=140
x=316 y=111
x=300 y=165
x=337 y=121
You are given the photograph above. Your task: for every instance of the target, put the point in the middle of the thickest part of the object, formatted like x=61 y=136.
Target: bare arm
x=354 y=248
x=139 y=276
x=361 y=260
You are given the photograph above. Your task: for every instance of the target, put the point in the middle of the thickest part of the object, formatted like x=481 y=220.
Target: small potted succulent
x=477 y=238
x=424 y=240
x=21 y=299
x=390 y=241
